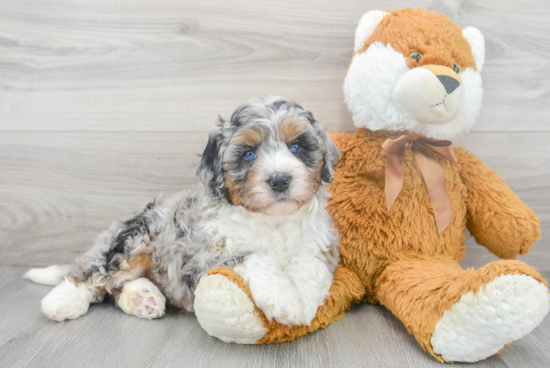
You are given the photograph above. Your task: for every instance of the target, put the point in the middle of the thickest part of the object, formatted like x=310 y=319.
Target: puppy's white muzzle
x=430 y=94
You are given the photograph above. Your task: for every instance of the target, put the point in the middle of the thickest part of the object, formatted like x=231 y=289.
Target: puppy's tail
x=51 y=275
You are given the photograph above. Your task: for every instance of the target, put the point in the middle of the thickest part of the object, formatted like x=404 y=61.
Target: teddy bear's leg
x=225 y=309
x=464 y=315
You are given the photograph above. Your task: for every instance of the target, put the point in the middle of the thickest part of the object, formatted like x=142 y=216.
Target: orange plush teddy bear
x=402 y=199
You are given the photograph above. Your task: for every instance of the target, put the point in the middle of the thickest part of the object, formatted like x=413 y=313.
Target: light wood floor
x=368 y=336
x=105 y=104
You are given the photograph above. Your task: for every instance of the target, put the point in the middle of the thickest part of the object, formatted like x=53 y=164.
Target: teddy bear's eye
x=456 y=68
x=415 y=56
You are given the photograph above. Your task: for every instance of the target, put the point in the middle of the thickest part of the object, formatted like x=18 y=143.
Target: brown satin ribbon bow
x=431 y=171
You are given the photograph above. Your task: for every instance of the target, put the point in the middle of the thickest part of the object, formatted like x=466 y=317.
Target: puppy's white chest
x=281 y=238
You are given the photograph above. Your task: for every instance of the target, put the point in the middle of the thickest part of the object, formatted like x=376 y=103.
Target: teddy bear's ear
x=368 y=23
x=477 y=43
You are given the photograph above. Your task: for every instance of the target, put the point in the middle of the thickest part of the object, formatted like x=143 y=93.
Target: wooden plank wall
x=104 y=104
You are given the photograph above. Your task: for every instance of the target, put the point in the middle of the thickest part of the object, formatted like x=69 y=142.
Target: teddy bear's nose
x=446 y=76
x=449 y=83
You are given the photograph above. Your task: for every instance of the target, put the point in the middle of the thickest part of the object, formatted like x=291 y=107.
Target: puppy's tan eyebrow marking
x=251 y=137
x=291 y=129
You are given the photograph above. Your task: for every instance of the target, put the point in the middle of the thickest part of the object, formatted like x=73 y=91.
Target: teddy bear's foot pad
x=142 y=299
x=479 y=326
x=226 y=312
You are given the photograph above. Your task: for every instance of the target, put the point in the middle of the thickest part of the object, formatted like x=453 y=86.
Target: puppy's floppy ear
x=209 y=166
x=331 y=153
x=330 y=158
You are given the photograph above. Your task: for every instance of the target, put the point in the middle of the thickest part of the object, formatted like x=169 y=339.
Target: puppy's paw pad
x=143 y=299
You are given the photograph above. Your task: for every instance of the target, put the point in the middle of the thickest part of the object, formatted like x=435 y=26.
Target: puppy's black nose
x=279 y=183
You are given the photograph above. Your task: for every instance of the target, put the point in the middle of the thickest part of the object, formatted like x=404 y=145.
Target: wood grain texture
x=59 y=190
x=103 y=65
x=368 y=336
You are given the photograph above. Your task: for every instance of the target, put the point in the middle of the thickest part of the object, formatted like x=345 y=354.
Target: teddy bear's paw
x=479 y=326
x=142 y=299
x=226 y=312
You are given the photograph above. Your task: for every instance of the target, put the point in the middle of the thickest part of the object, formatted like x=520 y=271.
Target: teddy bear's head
x=417 y=71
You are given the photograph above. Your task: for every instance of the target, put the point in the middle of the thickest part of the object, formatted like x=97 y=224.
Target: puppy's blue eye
x=249 y=155
x=295 y=148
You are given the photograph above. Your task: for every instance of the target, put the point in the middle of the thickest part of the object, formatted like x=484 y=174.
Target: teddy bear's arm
x=497 y=217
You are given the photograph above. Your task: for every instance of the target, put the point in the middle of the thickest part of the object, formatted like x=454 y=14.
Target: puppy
x=260 y=212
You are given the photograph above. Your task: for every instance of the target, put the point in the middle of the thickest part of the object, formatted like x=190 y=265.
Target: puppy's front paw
x=288 y=309
x=142 y=298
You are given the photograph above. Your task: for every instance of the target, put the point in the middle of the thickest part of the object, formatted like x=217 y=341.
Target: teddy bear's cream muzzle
x=430 y=94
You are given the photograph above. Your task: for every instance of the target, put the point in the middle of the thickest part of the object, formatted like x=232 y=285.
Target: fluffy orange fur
x=418 y=289
x=399 y=259
x=433 y=35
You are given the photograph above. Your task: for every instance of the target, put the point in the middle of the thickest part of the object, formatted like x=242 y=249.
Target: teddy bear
x=402 y=197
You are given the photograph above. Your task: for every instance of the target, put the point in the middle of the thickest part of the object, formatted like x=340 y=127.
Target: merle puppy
x=261 y=212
